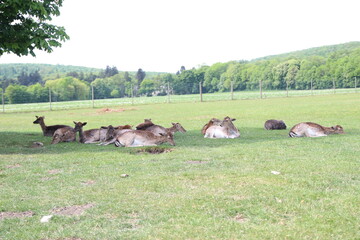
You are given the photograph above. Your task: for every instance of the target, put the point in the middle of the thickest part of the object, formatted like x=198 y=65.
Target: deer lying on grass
x=310 y=129
x=47 y=130
x=93 y=135
x=213 y=121
x=226 y=129
x=66 y=134
x=113 y=132
x=143 y=126
x=138 y=138
x=273 y=124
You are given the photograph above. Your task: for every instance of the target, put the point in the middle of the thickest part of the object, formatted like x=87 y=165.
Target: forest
x=319 y=68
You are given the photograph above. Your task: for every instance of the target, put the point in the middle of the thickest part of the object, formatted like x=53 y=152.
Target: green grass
x=202 y=189
x=99 y=103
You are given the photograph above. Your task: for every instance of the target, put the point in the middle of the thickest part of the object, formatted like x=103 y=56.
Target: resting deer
x=310 y=129
x=226 y=129
x=143 y=126
x=113 y=132
x=47 y=130
x=157 y=129
x=66 y=134
x=138 y=138
x=92 y=135
x=213 y=121
x=273 y=124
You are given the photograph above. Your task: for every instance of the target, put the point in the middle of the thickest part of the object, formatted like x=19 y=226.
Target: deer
x=67 y=134
x=158 y=130
x=310 y=129
x=92 y=135
x=139 y=138
x=273 y=124
x=113 y=132
x=213 y=121
x=143 y=126
x=48 y=131
x=226 y=129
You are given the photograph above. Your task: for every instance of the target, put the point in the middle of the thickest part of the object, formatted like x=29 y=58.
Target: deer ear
x=173 y=124
x=75 y=122
x=102 y=127
x=43 y=117
x=161 y=134
x=84 y=123
x=36 y=116
x=233 y=119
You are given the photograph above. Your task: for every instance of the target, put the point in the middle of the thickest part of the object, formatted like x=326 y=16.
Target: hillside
x=323 y=51
x=13 y=70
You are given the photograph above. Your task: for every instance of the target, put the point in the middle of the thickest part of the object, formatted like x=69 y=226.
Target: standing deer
x=273 y=124
x=310 y=129
x=66 y=134
x=138 y=138
x=47 y=130
x=226 y=129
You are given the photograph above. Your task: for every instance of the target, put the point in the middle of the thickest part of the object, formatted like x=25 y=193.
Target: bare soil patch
x=13 y=166
x=54 y=171
x=154 y=150
x=197 y=162
x=75 y=210
x=240 y=218
x=88 y=182
x=4 y=215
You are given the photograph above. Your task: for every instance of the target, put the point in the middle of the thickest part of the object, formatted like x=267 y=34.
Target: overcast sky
x=163 y=35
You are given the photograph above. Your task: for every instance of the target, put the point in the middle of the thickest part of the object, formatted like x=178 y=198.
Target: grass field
x=263 y=185
x=97 y=103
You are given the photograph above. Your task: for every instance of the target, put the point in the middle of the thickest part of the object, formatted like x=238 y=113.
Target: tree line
x=299 y=71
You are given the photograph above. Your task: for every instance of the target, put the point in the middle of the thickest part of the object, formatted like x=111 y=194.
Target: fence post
x=232 y=90
x=200 y=90
x=50 y=99
x=355 y=86
x=132 y=95
x=260 y=86
x=3 y=100
x=334 y=84
x=92 y=95
x=287 y=89
x=168 y=92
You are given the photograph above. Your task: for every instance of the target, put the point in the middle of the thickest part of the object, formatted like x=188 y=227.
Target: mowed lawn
x=263 y=185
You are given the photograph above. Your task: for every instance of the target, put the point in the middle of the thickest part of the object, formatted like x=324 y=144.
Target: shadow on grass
x=22 y=143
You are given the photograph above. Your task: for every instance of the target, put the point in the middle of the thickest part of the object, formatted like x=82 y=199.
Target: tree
x=17 y=94
x=24 y=26
x=140 y=75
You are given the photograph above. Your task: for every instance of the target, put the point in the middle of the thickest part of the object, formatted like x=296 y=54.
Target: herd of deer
x=150 y=134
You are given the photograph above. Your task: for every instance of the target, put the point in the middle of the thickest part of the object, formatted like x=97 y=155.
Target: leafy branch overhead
x=25 y=26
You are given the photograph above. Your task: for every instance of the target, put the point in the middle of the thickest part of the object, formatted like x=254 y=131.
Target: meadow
x=263 y=185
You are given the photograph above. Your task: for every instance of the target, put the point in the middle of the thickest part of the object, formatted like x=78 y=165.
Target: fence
x=260 y=93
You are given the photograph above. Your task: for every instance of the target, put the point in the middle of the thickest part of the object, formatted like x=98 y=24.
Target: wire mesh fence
x=170 y=97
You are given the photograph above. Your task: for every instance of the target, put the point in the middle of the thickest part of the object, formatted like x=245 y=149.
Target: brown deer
x=66 y=134
x=213 y=121
x=47 y=130
x=158 y=130
x=310 y=129
x=138 y=138
x=273 y=124
x=92 y=135
x=143 y=126
x=113 y=132
x=226 y=129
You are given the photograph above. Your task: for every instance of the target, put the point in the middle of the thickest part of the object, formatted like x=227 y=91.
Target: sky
x=163 y=35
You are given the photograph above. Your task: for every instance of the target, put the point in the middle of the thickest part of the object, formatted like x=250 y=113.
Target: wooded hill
x=320 y=68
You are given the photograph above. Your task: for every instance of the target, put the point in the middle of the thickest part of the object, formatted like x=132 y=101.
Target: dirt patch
x=154 y=150
x=4 y=215
x=13 y=166
x=54 y=171
x=76 y=210
x=240 y=218
x=197 y=162
x=88 y=182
